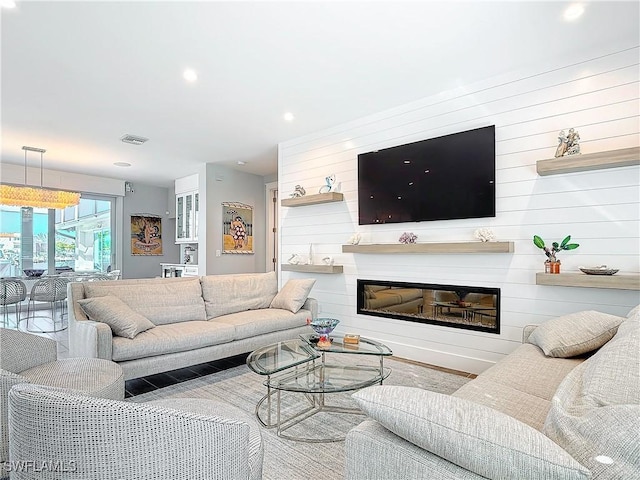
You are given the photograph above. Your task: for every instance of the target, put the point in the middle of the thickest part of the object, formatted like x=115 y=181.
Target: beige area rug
x=291 y=460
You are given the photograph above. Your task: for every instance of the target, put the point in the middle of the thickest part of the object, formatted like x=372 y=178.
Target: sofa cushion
x=595 y=414
x=124 y=322
x=470 y=435
x=293 y=294
x=224 y=294
x=162 y=303
x=529 y=370
x=575 y=334
x=258 y=322
x=171 y=338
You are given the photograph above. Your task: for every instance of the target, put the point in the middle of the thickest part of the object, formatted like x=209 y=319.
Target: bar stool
x=12 y=292
x=52 y=290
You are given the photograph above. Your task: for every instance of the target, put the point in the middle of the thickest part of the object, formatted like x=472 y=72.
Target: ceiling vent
x=133 y=139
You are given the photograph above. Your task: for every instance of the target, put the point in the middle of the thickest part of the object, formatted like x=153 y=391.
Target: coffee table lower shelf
x=314 y=382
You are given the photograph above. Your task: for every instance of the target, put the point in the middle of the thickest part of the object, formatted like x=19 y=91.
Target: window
x=81 y=237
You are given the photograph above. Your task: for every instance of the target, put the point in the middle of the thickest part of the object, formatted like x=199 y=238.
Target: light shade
x=22 y=196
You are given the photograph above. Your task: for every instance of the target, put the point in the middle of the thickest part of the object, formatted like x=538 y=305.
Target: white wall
x=596 y=94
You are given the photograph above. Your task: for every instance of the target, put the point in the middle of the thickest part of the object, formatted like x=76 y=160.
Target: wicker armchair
x=163 y=440
x=26 y=358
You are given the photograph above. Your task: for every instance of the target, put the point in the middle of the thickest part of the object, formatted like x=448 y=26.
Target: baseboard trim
x=456 y=363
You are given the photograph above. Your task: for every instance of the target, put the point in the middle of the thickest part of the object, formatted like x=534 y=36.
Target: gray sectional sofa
x=564 y=405
x=154 y=325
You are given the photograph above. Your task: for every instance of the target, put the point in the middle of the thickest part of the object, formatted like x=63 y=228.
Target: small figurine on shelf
x=568 y=144
x=328 y=187
x=354 y=239
x=328 y=261
x=562 y=144
x=573 y=142
x=298 y=192
x=484 y=235
x=408 y=237
x=295 y=259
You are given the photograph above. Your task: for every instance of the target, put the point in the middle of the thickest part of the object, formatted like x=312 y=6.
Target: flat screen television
x=443 y=178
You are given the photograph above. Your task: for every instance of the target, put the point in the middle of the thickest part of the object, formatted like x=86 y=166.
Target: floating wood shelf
x=313 y=199
x=286 y=267
x=619 y=282
x=624 y=157
x=458 y=247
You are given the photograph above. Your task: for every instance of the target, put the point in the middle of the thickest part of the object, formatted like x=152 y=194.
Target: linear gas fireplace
x=457 y=306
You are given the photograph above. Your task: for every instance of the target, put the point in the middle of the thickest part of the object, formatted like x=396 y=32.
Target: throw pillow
x=124 y=322
x=293 y=294
x=475 y=437
x=575 y=334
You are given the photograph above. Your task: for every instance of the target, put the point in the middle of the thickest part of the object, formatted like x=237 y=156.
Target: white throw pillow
x=475 y=437
x=575 y=334
x=124 y=322
x=293 y=294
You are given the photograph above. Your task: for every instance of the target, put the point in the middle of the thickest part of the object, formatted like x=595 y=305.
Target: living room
x=593 y=89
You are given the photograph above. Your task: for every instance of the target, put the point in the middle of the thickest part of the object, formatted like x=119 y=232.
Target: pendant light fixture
x=25 y=196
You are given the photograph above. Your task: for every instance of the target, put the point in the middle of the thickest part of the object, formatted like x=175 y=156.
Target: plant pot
x=551 y=267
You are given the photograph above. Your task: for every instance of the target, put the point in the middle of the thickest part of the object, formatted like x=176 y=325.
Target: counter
x=178 y=270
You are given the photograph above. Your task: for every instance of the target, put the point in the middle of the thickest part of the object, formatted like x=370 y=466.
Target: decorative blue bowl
x=324 y=326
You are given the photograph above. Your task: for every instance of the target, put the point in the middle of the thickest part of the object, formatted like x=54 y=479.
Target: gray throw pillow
x=575 y=334
x=475 y=437
x=124 y=322
x=293 y=294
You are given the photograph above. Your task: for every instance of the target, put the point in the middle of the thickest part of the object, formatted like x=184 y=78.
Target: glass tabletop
x=280 y=356
x=325 y=378
x=365 y=347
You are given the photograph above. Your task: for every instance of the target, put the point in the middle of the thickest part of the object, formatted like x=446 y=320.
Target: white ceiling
x=76 y=76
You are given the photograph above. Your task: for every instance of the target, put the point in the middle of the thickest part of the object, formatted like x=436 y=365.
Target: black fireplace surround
x=457 y=306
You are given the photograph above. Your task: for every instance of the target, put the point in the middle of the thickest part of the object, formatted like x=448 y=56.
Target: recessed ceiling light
x=7 y=4
x=289 y=117
x=190 y=75
x=122 y=164
x=573 y=12
x=240 y=162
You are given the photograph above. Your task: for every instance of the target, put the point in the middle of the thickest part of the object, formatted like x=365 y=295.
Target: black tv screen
x=443 y=178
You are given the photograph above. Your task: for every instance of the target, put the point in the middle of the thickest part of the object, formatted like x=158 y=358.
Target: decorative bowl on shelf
x=323 y=327
x=599 y=270
x=33 y=272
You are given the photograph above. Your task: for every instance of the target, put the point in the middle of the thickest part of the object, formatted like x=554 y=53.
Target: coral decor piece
x=484 y=235
x=408 y=237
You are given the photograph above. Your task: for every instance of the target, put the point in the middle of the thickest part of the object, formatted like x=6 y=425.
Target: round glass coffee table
x=300 y=366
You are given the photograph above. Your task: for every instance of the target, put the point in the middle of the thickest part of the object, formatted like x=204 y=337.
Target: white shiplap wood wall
x=600 y=209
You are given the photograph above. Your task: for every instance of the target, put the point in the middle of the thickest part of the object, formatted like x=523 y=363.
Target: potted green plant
x=552 y=264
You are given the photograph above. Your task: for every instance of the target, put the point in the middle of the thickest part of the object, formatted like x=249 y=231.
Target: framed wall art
x=146 y=234
x=237 y=228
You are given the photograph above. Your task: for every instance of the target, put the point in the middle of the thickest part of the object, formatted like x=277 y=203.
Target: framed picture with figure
x=237 y=228
x=146 y=235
